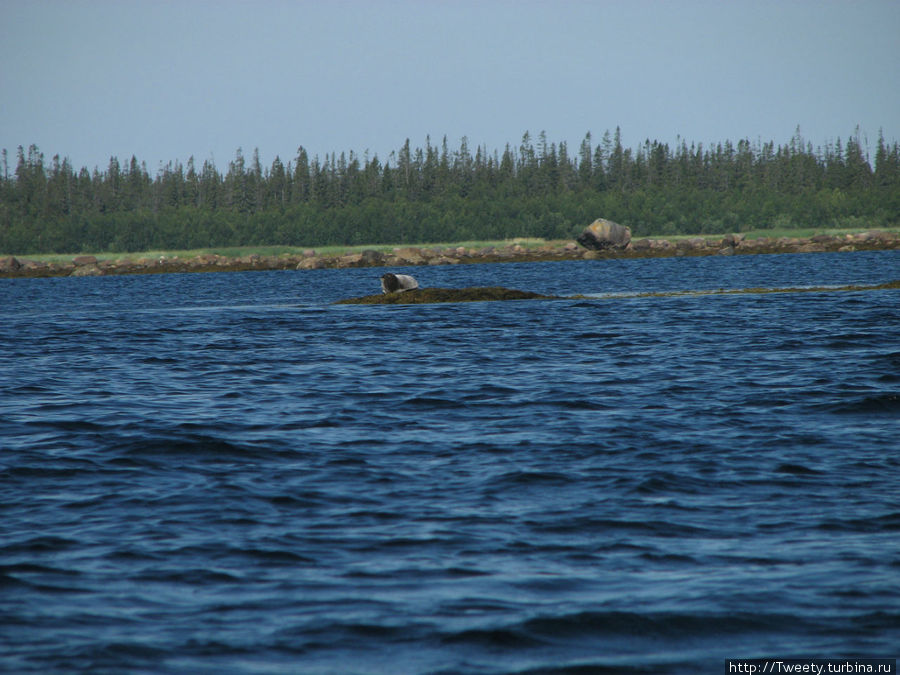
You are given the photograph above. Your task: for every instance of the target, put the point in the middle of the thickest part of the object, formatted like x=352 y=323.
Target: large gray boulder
x=604 y=234
x=372 y=258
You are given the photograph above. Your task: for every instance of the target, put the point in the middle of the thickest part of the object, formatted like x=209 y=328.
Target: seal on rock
x=397 y=283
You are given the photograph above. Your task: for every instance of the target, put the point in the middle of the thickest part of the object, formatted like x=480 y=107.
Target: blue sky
x=166 y=80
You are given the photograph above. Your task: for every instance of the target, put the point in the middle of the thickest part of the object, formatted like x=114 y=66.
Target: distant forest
x=439 y=194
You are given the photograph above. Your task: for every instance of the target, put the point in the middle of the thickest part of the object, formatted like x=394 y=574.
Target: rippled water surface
x=225 y=472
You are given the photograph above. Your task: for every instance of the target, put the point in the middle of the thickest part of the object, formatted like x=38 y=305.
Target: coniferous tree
x=438 y=193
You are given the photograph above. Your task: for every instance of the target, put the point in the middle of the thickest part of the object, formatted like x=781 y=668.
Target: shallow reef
x=487 y=293
x=430 y=295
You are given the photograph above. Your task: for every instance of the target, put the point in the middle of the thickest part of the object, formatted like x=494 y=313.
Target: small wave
x=66 y=425
x=290 y=501
x=585 y=524
x=272 y=556
x=674 y=558
x=431 y=402
x=35 y=577
x=195 y=576
x=415 y=575
x=466 y=572
x=616 y=668
x=102 y=655
x=891 y=360
x=518 y=478
x=190 y=445
x=31 y=568
x=401 y=543
x=796 y=470
x=490 y=392
x=597 y=336
x=152 y=360
x=557 y=630
x=578 y=404
x=668 y=482
x=886 y=404
x=659 y=624
x=41 y=544
x=887 y=523
x=33 y=389
x=11 y=582
x=494 y=638
x=46 y=471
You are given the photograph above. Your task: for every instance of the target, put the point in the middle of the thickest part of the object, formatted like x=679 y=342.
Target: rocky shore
x=730 y=244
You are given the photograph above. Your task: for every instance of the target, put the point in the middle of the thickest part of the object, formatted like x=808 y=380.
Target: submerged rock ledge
x=729 y=244
x=432 y=295
x=486 y=293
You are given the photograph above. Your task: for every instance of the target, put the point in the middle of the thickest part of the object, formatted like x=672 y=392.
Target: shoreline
x=411 y=256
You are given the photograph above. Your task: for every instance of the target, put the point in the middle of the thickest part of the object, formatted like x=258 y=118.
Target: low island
x=421 y=296
x=431 y=295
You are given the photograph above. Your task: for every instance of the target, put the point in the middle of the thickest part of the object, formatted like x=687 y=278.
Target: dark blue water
x=226 y=473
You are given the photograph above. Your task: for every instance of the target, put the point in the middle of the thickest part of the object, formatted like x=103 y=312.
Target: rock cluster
x=729 y=244
x=410 y=256
x=88 y=265
x=732 y=244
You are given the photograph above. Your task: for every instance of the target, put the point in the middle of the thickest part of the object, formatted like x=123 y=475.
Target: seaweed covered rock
x=604 y=234
x=431 y=295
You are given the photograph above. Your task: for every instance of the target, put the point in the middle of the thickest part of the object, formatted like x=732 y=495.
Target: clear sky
x=168 y=79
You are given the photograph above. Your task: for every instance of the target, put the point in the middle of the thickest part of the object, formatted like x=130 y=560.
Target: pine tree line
x=433 y=194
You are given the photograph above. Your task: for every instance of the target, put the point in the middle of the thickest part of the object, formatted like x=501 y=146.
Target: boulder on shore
x=89 y=270
x=604 y=234
x=9 y=264
x=311 y=263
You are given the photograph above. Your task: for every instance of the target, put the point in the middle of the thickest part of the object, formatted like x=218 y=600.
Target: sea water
x=229 y=473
